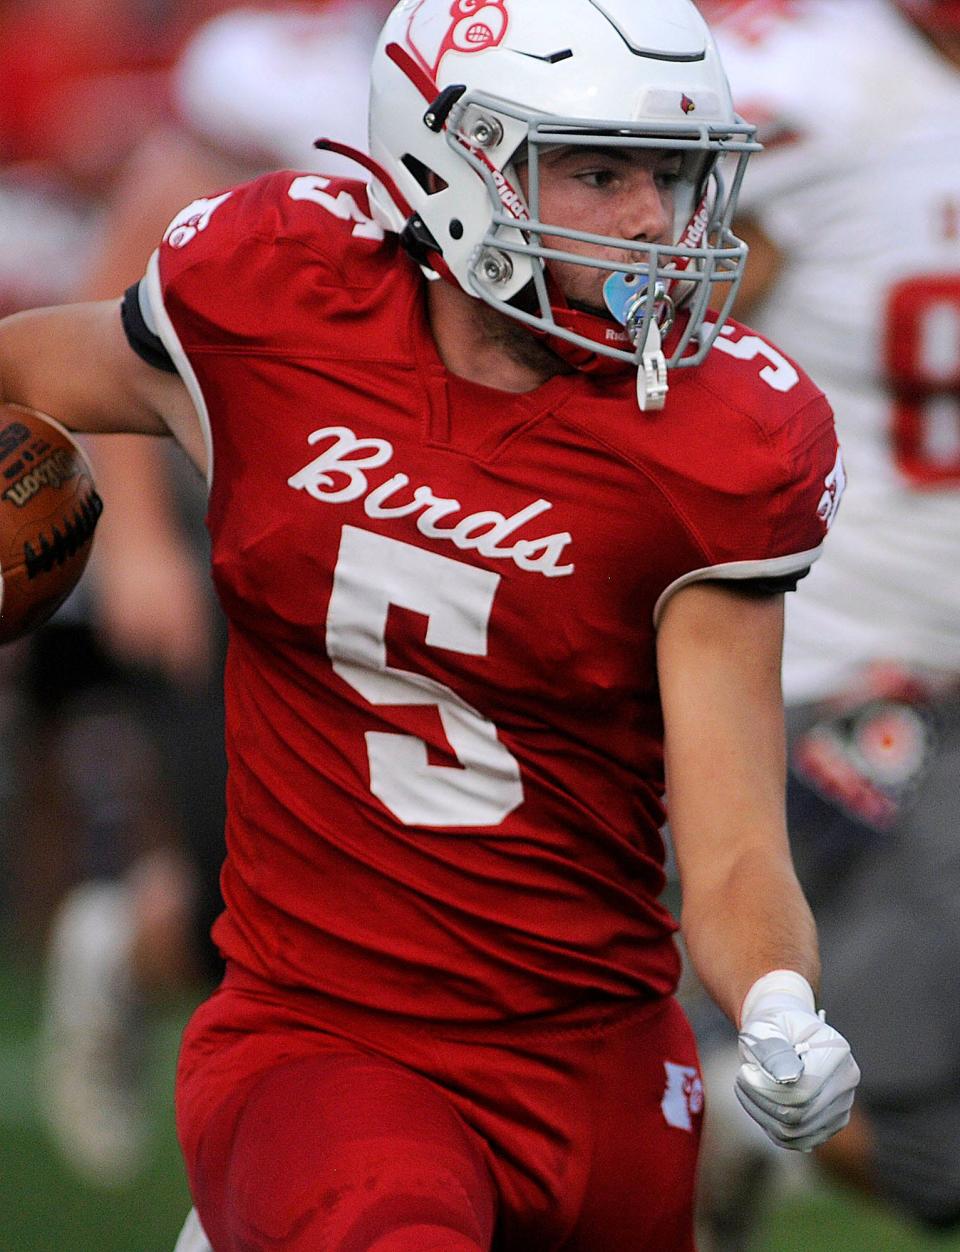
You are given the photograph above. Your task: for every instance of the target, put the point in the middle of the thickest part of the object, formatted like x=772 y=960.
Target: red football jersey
x=444 y=734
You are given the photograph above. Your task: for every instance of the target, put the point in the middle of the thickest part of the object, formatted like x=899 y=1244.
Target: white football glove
x=797 y=1076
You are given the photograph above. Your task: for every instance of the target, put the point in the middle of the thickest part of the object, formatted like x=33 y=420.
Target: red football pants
x=309 y=1128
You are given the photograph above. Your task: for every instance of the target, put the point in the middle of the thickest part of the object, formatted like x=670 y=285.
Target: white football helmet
x=463 y=89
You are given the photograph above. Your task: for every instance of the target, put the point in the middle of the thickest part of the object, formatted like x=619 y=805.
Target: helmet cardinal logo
x=472 y=26
x=687 y=104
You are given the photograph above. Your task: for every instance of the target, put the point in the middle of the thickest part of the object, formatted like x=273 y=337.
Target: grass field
x=43 y=1208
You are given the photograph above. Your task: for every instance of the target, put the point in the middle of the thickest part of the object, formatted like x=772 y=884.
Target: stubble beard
x=519 y=343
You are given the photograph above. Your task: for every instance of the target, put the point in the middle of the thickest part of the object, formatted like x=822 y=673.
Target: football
x=48 y=512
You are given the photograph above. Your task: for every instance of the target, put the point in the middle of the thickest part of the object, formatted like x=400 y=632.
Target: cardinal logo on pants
x=682 y=1095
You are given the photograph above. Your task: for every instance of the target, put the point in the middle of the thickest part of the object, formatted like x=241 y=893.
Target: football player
x=853 y=217
x=502 y=520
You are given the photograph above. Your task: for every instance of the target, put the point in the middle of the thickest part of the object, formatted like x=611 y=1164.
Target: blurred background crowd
x=115 y=114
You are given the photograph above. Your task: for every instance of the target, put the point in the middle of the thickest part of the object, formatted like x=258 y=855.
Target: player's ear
x=429 y=179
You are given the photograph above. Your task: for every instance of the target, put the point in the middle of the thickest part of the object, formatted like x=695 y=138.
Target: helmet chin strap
x=652 y=373
x=587 y=325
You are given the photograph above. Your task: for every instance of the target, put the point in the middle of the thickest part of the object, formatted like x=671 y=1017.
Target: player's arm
x=746 y=924
x=762 y=270
x=719 y=655
x=75 y=363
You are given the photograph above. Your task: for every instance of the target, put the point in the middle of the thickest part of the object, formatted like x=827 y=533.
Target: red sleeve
x=251 y=271
x=761 y=506
x=224 y=254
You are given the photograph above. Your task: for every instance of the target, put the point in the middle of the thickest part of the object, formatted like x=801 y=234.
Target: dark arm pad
x=148 y=346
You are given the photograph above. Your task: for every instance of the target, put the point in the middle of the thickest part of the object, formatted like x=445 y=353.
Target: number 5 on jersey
x=372 y=573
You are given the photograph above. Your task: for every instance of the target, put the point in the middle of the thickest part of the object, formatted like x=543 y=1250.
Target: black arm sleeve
x=141 y=338
x=764 y=586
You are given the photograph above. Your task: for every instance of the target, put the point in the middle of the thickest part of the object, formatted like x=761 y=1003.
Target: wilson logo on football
x=51 y=472
x=475 y=26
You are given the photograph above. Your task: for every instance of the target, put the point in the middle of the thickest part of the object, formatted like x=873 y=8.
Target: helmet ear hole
x=429 y=180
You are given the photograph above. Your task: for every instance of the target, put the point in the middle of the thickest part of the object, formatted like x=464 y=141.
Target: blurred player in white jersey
x=853 y=216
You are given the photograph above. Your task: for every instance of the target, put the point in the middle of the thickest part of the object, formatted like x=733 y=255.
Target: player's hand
x=797 y=1075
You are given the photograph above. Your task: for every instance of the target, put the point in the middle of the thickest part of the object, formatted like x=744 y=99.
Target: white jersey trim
x=739 y=571
x=158 y=320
